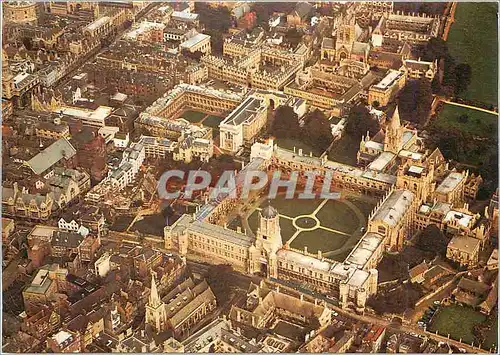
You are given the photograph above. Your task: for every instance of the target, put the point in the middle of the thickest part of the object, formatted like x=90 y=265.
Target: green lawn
x=345 y=150
x=193 y=116
x=337 y=215
x=492 y=337
x=479 y=123
x=458 y=321
x=364 y=203
x=473 y=39
x=319 y=239
x=294 y=207
x=212 y=121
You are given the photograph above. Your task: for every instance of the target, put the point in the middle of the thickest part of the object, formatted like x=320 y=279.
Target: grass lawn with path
x=479 y=123
x=319 y=239
x=458 y=321
x=193 y=116
x=473 y=39
x=337 y=215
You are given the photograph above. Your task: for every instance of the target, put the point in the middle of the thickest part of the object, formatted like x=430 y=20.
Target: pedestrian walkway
x=471 y=107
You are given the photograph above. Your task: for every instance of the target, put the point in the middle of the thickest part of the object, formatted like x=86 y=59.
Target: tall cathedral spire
x=154 y=298
x=395 y=121
x=393 y=141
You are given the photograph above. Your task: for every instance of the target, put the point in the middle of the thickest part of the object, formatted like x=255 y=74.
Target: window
x=381 y=230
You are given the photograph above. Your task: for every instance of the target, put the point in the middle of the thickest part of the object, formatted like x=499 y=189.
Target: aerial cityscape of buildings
x=370 y=100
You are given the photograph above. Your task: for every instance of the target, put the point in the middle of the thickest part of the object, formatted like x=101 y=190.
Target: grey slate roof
x=44 y=160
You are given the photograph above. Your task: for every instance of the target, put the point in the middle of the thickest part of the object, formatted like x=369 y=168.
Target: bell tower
x=269 y=232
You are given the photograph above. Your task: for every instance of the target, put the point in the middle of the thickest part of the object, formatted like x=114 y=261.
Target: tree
x=463 y=74
x=193 y=55
x=415 y=101
x=219 y=278
x=286 y=123
x=317 y=130
x=216 y=20
x=361 y=121
x=463 y=118
x=293 y=37
x=436 y=48
x=431 y=239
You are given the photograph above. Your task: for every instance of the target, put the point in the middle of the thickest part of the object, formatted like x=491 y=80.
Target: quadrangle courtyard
x=332 y=226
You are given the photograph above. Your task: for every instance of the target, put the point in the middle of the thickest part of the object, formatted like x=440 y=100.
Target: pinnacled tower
x=394 y=134
x=7 y=77
x=156 y=313
x=269 y=237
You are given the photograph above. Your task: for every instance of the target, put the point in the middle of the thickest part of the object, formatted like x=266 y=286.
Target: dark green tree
x=360 y=121
x=317 y=130
x=286 y=123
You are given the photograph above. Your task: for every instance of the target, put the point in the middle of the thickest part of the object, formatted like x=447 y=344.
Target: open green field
x=473 y=39
x=193 y=116
x=458 y=321
x=480 y=123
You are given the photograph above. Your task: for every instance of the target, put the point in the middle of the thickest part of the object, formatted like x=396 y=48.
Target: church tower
x=269 y=238
x=269 y=233
x=156 y=313
x=394 y=134
x=347 y=33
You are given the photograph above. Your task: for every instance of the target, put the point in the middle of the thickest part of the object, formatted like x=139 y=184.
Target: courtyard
x=330 y=226
x=458 y=321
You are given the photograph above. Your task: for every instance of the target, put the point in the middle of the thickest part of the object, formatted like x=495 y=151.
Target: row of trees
x=315 y=132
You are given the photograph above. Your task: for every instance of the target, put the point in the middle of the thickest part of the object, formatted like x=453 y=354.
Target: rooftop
x=47 y=158
x=394 y=207
x=246 y=112
x=450 y=183
x=194 y=40
x=464 y=244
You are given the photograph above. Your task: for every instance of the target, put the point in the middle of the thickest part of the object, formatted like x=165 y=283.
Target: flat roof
x=463 y=219
x=194 y=40
x=389 y=79
x=450 y=183
x=245 y=112
x=364 y=249
x=464 y=243
x=381 y=162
